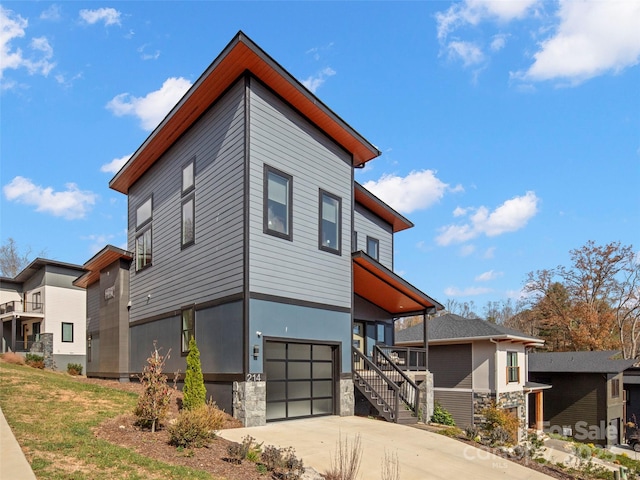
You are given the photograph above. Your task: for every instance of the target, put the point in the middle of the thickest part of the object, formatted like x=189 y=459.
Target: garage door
x=300 y=379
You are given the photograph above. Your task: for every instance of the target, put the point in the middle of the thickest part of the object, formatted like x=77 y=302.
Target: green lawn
x=52 y=415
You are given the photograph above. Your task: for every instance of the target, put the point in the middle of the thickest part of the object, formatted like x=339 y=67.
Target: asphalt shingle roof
x=578 y=362
x=451 y=327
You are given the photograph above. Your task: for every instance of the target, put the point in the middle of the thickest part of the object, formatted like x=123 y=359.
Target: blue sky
x=510 y=131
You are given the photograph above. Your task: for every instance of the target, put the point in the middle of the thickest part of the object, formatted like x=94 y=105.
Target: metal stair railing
x=408 y=390
x=381 y=389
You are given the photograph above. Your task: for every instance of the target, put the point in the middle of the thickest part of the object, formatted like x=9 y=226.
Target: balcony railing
x=24 y=345
x=18 y=306
x=406 y=358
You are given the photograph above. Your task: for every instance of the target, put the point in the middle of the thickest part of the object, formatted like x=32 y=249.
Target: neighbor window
x=188 y=177
x=143 y=249
x=330 y=207
x=188 y=328
x=37 y=300
x=67 y=332
x=278 y=191
x=615 y=388
x=188 y=221
x=144 y=212
x=513 y=371
x=373 y=246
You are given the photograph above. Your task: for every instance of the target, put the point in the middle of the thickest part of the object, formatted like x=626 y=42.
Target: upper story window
x=188 y=176
x=513 y=370
x=188 y=328
x=278 y=201
x=188 y=206
x=330 y=222
x=373 y=247
x=615 y=388
x=36 y=300
x=143 y=246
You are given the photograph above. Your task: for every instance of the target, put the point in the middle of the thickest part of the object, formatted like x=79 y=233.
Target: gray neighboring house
x=586 y=400
x=475 y=363
x=249 y=233
x=42 y=312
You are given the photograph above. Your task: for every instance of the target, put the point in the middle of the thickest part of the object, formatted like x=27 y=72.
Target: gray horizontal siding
x=368 y=224
x=451 y=366
x=458 y=404
x=297 y=269
x=93 y=308
x=213 y=267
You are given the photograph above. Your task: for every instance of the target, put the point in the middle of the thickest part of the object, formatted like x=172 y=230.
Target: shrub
x=247 y=450
x=346 y=463
x=472 y=432
x=283 y=463
x=195 y=427
x=501 y=426
x=442 y=416
x=153 y=403
x=194 y=392
x=14 y=358
x=74 y=369
x=390 y=467
x=35 y=361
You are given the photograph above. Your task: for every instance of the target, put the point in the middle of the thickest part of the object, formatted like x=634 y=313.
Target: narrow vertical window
x=67 y=332
x=188 y=222
x=144 y=212
x=330 y=215
x=188 y=177
x=188 y=328
x=354 y=240
x=278 y=192
x=373 y=246
x=144 y=215
x=513 y=371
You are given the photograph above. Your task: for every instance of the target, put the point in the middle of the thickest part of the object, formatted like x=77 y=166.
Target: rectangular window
x=513 y=371
x=278 y=201
x=330 y=215
x=615 y=388
x=144 y=212
x=143 y=250
x=37 y=301
x=67 y=332
x=354 y=240
x=372 y=247
x=188 y=222
x=188 y=328
x=188 y=177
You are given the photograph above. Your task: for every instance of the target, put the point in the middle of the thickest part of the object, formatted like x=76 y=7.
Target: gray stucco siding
x=212 y=267
x=298 y=269
x=93 y=308
x=285 y=321
x=368 y=224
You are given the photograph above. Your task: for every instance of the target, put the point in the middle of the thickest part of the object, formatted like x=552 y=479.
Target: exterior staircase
x=394 y=395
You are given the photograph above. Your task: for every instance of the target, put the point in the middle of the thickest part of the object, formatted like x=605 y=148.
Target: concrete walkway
x=421 y=454
x=13 y=464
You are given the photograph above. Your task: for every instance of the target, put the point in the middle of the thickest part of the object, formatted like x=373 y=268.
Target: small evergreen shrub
x=74 y=369
x=196 y=427
x=194 y=392
x=153 y=403
x=442 y=416
x=35 y=361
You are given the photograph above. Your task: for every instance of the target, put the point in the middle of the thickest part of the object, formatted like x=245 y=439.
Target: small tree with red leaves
x=153 y=403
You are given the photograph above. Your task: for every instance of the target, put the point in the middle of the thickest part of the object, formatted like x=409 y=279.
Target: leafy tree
x=194 y=392
x=153 y=403
x=11 y=260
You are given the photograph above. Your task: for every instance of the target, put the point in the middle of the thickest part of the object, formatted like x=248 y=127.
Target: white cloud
x=71 y=203
x=115 y=165
x=468 y=52
x=498 y=42
x=314 y=82
x=459 y=211
x=98 y=241
x=467 y=250
x=152 y=108
x=417 y=191
x=12 y=27
x=466 y=292
x=512 y=215
x=488 y=276
x=53 y=13
x=144 y=55
x=110 y=16
x=490 y=253
x=592 y=38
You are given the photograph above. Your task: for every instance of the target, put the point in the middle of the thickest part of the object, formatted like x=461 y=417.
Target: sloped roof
x=578 y=362
x=239 y=56
x=449 y=326
x=100 y=260
x=368 y=200
x=40 y=263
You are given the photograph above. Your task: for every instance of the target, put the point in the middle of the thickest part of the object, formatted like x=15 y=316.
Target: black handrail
x=409 y=391
x=386 y=391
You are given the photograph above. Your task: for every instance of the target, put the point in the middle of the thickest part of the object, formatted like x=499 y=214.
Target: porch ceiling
x=379 y=285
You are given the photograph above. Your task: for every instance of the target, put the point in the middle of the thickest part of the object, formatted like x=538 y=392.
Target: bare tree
x=501 y=312
x=464 y=309
x=11 y=260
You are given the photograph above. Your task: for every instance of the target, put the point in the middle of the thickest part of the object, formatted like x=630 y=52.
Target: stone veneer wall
x=346 y=397
x=506 y=400
x=250 y=403
x=426 y=398
x=45 y=348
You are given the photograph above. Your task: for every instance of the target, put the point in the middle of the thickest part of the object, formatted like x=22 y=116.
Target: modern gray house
x=248 y=232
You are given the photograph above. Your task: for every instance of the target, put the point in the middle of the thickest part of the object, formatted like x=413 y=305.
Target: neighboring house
x=631 y=382
x=107 y=284
x=586 y=400
x=249 y=234
x=44 y=313
x=474 y=364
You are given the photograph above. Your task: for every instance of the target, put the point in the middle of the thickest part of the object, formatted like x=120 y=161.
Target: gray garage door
x=300 y=379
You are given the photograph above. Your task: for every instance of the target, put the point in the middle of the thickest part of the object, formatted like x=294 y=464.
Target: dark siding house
x=248 y=232
x=586 y=400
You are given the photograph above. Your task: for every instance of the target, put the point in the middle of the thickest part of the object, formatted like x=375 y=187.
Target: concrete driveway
x=421 y=454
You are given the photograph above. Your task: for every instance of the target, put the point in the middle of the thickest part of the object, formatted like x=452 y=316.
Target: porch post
x=13 y=332
x=426 y=339
x=539 y=411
